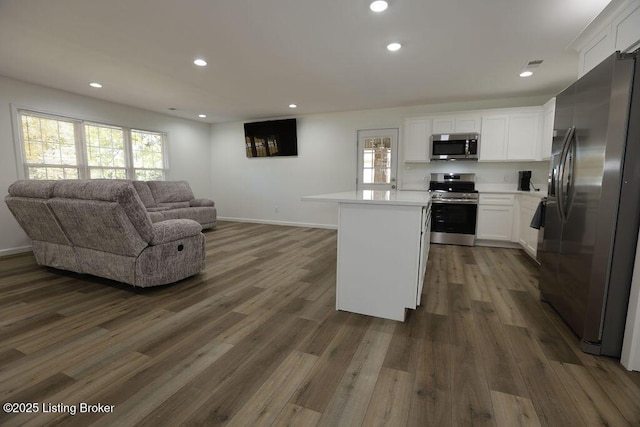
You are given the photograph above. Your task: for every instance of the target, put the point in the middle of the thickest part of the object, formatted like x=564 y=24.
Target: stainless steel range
x=454 y=208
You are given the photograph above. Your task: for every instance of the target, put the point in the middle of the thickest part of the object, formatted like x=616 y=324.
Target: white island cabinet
x=383 y=245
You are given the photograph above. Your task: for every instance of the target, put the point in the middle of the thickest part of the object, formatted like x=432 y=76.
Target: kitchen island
x=383 y=246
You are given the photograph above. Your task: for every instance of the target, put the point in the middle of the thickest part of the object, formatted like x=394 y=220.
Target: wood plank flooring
x=255 y=340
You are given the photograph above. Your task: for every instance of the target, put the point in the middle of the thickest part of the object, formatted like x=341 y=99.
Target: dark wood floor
x=255 y=340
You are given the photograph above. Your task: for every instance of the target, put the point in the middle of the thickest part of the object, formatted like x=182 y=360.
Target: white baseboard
x=286 y=223
x=498 y=244
x=13 y=251
x=503 y=244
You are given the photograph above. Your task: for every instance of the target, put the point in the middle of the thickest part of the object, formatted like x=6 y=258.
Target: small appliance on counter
x=524 y=181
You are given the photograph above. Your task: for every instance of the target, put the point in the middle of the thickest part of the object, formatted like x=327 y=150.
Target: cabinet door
x=626 y=28
x=444 y=125
x=456 y=124
x=547 y=129
x=494 y=222
x=415 y=140
x=525 y=220
x=493 y=138
x=528 y=236
x=424 y=251
x=523 y=137
x=467 y=124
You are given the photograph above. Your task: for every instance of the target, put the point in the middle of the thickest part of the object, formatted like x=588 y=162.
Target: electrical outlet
x=505 y=178
x=276 y=209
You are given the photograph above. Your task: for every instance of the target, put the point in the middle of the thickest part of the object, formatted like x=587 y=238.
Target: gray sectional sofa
x=102 y=227
x=175 y=200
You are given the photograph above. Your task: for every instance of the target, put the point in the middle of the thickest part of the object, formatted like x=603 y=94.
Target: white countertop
x=537 y=194
x=376 y=197
x=508 y=189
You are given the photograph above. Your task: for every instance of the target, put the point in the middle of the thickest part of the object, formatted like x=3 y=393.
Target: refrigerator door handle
x=561 y=172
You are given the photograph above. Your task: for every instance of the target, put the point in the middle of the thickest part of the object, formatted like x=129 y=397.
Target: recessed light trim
x=202 y=116
x=393 y=47
x=200 y=62
x=526 y=73
x=95 y=85
x=293 y=105
x=378 y=6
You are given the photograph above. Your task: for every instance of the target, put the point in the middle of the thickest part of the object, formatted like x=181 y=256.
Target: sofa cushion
x=37 y=219
x=170 y=191
x=174 y=205
x=120 y=191
x=197 y=203
x=41 y=189
x=206 y=216
x=99 y=225
x=145 y=194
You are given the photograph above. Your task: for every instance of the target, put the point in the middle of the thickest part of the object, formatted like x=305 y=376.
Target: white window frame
x=81 y=142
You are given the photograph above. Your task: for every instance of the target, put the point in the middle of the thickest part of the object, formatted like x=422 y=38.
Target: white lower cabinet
x=495 y=216
x=382 y=256
x=495 y=222
x=528 y=238
x=506 y=217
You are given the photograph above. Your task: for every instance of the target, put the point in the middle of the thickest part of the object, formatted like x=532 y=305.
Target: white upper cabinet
x=508 y=134
x=616 y=28
x=416 y=136
x=493 y=138
x=547 y=128
x=511 y=135
x=444 y=125
x=456 y=124
x=626 y=28
x=524 y=136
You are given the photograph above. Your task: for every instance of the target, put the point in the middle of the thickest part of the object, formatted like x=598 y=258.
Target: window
x=49 y=148
x=65 y=148
x=148 y=157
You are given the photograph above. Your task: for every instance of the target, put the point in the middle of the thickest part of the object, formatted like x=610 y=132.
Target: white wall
x=189 y=141
x=251 y=188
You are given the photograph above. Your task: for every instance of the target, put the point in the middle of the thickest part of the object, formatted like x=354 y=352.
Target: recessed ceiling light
x=378 y=5
x=200 y=62
x=526 y=74
x=394 y=46
x=202 y=116
x=95 y=84
x=293 y=106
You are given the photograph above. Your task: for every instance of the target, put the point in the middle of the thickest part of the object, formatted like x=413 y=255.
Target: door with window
x=377 y=159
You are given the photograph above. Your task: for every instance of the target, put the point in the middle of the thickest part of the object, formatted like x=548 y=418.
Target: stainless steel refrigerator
x=593 y=208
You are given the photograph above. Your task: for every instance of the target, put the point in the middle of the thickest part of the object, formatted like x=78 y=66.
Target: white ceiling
x=326 y=55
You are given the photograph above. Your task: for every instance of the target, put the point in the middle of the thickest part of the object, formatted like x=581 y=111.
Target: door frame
x=394 y=133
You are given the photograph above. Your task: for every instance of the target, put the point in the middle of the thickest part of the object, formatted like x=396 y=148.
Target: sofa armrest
x=197 y=203
x=174 y=229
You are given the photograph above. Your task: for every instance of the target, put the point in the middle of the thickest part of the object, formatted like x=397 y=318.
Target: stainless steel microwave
x=455 y=146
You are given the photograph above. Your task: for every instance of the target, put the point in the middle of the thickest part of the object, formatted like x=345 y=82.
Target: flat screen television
x=271 y=138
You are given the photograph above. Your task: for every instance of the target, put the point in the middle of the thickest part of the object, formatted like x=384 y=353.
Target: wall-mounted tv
x=271 y=138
